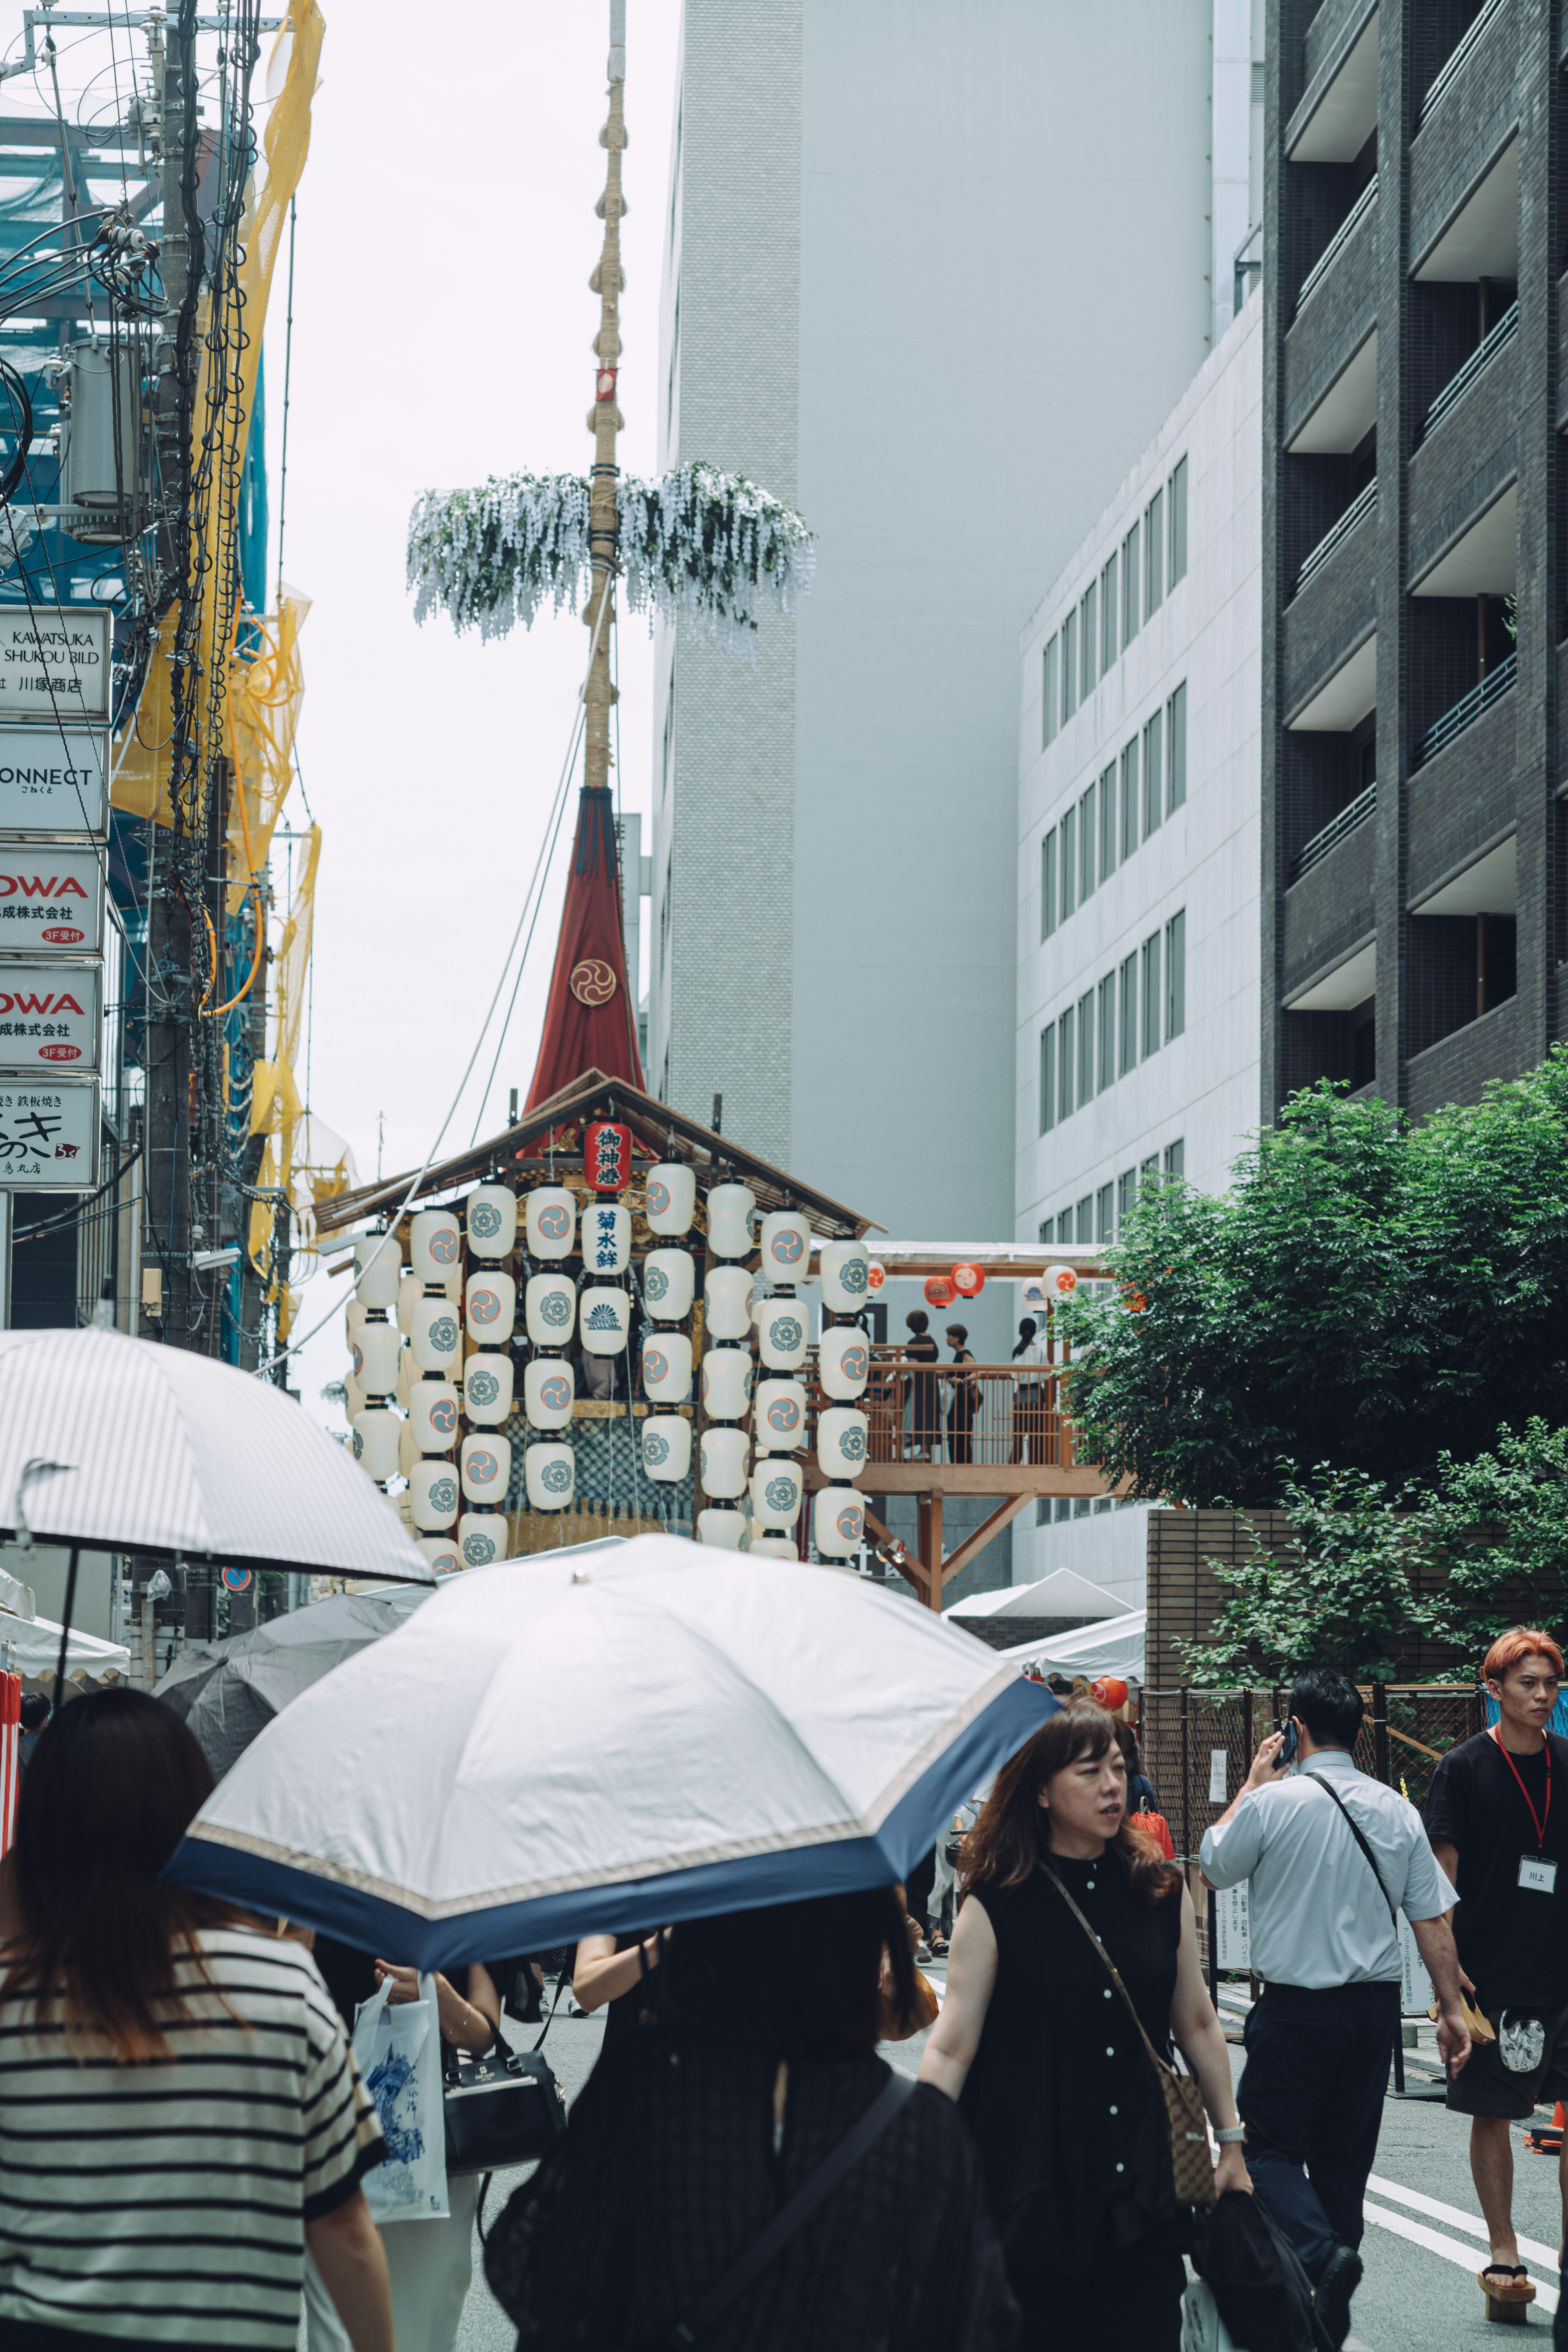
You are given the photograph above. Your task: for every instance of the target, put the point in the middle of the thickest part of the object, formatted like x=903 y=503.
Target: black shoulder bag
x=1371 y=1857
x=502 y=2109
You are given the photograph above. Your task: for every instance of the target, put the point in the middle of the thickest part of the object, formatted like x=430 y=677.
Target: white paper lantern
x=843 y=1266
x=666 y=1447
x=549 y=1387
x=550 y=1309
x=730 y=1208
x=727 y=1301
x=776 y=1489
x=841 y=1434
x=725 y=1529
x=550 y=1221
x=724 y=1462
x=780 y=1417
x=377 y=1433
x=407 y=1448
x=433 y=1415
x=490 y=1308
x=667 y=1367
x=781 y=1334
x=433 y=1492
x=408 y=1290
x=442 y=1553
x=773 y=1547
x=491 y=1219
x=671 y=1198
x=354 y=1399
x=481 y=1538
x=354 y=1313
x=379 y=1262
x=606 y=1237
x=604 y=1320
x=844 y=1359
x=668 y=1284
x=727 y=1383
x=437 y=1338
x=786 y=1245
x=551 y=1475
x=434 y=1243
x=837 y=1521
x=376 y=1348
x=486 y=1388
x=485 y=1466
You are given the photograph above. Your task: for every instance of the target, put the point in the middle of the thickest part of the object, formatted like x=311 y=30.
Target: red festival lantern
x=607 y=1155
x=969 y=1280
x=939 y=1291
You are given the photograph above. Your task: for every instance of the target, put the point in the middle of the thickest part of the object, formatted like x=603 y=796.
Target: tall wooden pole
x=605 y=419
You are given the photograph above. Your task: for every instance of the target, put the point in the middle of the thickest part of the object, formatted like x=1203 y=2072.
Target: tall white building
x=1139 y=846
x=934 y=271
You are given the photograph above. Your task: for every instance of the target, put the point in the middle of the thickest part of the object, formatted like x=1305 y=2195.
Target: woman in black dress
x=1036 y=2044
x=925 y=1416
x=965 y=1393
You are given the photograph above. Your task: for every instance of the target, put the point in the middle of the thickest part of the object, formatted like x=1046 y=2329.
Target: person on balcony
x=964 y=1389
x=1029 y=1397
x=925 y=1420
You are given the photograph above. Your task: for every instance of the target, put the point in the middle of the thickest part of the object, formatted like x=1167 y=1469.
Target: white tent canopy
x=1063 y=1593
x=1115 y=1648
x=37 y=1643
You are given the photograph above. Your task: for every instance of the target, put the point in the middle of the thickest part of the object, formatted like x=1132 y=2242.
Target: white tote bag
x=1203 y=2329
x=397 y=2049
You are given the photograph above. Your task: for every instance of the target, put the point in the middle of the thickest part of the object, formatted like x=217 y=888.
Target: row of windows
x=1097 y=1216
x=1130 y=587
x=1129 y=800
x=1138 y=1007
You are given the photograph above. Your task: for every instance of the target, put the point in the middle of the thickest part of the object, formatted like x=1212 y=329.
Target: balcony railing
x=1334 y=832
x=1492 y=687
x=1475 y=33
x=1360 y=505
x=1337 y=243
x=1457 y=385
x=991 y=1416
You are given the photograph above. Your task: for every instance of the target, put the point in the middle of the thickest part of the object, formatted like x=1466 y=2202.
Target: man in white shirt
x=1329 y=1856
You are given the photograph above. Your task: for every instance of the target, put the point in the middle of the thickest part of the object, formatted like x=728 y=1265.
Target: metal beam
x=983 y=1534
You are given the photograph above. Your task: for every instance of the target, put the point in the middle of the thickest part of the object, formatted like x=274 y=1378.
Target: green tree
x=1499 y=1525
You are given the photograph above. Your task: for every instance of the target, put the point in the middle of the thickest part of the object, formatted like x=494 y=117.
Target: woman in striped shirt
x=179 y=2113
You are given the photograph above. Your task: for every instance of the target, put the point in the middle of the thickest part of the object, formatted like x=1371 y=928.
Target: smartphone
x=1288 y=1751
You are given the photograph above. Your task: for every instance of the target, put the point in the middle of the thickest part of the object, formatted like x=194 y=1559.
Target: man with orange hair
x=1498 y=1818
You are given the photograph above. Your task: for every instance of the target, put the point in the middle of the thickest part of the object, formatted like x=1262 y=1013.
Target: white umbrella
x=552 y=1747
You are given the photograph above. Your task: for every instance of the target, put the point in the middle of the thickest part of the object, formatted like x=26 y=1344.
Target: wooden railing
x=986 y=1415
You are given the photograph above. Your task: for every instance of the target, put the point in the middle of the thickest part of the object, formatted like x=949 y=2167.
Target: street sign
x=55 y=663
x=49 y=1016
x=52 y=781
x=51 y=900
x=1233 y=1926
x=48 y=1135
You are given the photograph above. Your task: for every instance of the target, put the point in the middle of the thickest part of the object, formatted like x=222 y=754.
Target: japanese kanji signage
x=48 y=1135
x=55 y=663
x=49 y=1018
x=51 y=900
x=52 y=781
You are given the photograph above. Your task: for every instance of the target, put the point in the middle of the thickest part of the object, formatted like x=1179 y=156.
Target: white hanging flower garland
x=708 y=545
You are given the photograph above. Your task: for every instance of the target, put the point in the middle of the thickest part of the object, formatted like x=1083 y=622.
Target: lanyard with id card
x=1537 y=1875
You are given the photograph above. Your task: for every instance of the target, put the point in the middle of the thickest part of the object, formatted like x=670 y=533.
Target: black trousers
x=1133 y=2298
x=1311 y=2098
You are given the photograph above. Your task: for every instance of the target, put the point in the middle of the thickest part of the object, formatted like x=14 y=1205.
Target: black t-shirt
x=1513 y=1940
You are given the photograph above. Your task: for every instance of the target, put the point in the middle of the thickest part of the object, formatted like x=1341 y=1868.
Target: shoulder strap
x=1162 y=2064
x=806 y=2199
x=1370 y=1858
x=560 y=1983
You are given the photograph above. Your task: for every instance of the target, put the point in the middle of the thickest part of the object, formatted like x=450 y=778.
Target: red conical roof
x=590 y=1021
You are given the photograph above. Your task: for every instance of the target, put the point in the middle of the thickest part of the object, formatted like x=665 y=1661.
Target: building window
x=1108 y=1031
x=1048 y=1232
x=1107 y=823
x=1105 y=1215
x=1069 y=830
x=1085 y=1047
x=1087 y=875
x=1176 y=751
x=1064 y=1066
x=1048 y=884
x=1128 y=1014
x=1153 y=553
x=1069 y=666
x=1176 y=1158
x=1129 y=585
x=1176 y=976
x=1153 y=783
x=1178 y=505
x=1126 y=1193
x=1150 y=1171
x=1108 y=614
x=1085 y=1222
x=1152 y=1006
x=1047 y=1077
x=1088 y=672
x=1130 y=798
x=1048 y=695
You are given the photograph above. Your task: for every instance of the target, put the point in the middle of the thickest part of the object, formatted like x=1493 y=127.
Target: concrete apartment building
x=1137 y=1027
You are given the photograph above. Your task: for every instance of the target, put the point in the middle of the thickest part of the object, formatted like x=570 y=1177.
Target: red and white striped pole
x=10 y=1755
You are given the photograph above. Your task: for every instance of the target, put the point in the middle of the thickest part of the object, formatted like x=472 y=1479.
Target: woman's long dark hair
x=1012 y=1837
x=804 y=1980
x=112 y=1785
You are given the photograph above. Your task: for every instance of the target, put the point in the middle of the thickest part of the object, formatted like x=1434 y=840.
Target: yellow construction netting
x=265 y=693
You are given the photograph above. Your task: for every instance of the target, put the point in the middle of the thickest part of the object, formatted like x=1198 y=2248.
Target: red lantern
x=607 y=1155
x=1108 y=1691
x=969 y=1281
x=940 y=1291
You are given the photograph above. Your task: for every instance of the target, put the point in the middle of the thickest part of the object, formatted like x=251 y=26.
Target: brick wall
x=1329 y=913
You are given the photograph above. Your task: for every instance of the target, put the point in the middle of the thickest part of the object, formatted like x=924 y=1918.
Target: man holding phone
x=1331 y=1857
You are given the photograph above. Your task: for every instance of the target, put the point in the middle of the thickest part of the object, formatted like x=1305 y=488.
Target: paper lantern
x=727 y=1303
x=606 y=1237
x=667 y=1367
x=837 y=1521
x=844 y=1360
x=603 y=1320
x=354 y=1313
x=607 y=1155
x=441 y=1552
x=549 y=1387
x=433 y=1415
x=1108 y=1691
x=727 y=1383
x=844 y=1267
x=668 y=1284
x=781 y=1333
x=780 y=1415
x=485 y=1466
x=379 y=1269
x=968 y=1280
x=408 y=1290
x=1060 y=1281
x=437 y=1338
x=434 y=1493
x=435 y=1245
x=723 y=1528
x=671 y=1198
x=776 y=1489
x=786 y=1245
x=487 y=1388
x=841 y=1434
x=489 y=1216
x=482 y=1537
x=724 y=1462
x=550 y=1474
x=550 y=1221
x=490 y=1306
x=876 y=1278
x=773 y=1547
x=548 y=1309
x=666 y=1447
x=730 y=1208
x=376 y=1348
x=939 y=1291
x=354 y=1399
x=377 y=1433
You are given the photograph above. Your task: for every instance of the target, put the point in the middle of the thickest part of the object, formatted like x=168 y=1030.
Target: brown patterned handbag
x=1186 y=2128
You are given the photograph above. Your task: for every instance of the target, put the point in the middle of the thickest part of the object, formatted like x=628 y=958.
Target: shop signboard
x=52 y=780
x=50 y=1018
x=49 y=1134
x=55 y=663
x=51 y=900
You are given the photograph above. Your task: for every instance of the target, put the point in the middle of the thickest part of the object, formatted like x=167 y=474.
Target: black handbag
x=502 y=2109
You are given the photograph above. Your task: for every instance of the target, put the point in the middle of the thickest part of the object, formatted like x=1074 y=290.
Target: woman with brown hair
x=179 y=2113
x=1037 y=2045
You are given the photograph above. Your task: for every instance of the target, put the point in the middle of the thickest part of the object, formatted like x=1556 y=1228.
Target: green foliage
x=1500 y=1526
x=1338 y=1600
x=1368 y=1296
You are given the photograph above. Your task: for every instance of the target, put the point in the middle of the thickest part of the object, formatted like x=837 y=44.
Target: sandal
x=1506 y=2287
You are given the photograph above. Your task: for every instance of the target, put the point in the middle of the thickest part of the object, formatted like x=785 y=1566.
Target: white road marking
x=1531 y=2248
x=1451 y=2251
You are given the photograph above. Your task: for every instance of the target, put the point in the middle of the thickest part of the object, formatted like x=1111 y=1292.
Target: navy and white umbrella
x=560 y=1746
